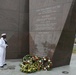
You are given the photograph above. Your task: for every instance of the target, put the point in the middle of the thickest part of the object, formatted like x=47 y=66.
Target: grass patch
x=74 y=50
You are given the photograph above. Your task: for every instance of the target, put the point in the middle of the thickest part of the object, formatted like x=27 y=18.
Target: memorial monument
x=39 y=27
x=52 y=29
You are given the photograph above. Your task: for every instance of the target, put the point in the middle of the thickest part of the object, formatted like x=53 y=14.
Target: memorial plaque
x=49 y=20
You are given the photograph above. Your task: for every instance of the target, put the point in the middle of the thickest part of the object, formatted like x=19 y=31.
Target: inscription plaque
x=48 y=20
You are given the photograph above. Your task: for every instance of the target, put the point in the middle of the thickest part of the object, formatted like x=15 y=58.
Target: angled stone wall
x=52 y=29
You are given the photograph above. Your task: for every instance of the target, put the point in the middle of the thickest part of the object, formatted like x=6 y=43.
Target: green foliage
x=74 y=50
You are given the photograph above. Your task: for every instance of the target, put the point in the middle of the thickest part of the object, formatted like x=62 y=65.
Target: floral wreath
x=34 y=63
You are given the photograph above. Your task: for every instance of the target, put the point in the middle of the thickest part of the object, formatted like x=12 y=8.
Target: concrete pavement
x=13 y=68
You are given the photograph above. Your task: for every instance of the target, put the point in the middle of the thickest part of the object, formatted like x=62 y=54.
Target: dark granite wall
x=14 y=21
x=63 y=51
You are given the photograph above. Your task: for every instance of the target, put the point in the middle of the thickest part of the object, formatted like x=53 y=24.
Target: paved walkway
x=13 y=68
